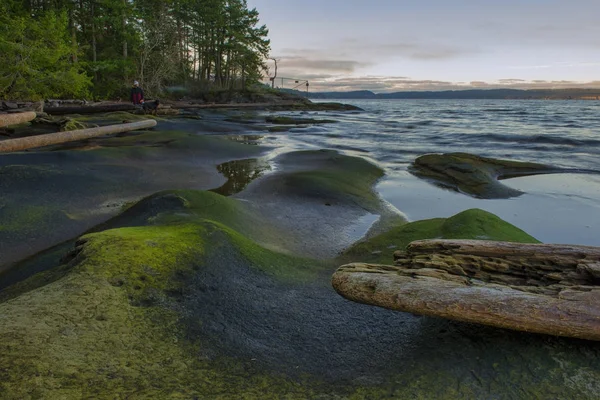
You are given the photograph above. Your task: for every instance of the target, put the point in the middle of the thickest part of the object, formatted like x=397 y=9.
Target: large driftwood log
x=89 y=109
x=550 y=289
x=16 y=118
x=62 y=137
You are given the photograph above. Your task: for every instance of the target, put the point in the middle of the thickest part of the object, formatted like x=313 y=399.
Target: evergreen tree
x=55 y=48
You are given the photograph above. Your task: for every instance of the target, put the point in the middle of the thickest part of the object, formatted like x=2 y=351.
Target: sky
x=398 y=45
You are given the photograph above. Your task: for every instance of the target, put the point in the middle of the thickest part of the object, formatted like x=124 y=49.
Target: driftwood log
x=16 y=118
x=549 y=289
x=63 y=137
x=89 y=109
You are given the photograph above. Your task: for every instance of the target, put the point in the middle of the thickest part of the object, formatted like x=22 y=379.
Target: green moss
x=469 y=224
x=279 y=265
x=24 y=220
x=119 y=330
x=143 y=260
x=329 y=175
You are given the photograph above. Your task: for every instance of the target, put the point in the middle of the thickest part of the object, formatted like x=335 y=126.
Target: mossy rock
x=474 y=175
x=80 y=184
x=469 y=224
x=120 y=297
x=128 y=313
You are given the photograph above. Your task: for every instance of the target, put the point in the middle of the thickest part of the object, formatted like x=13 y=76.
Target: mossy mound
x=469 y=224
x=330 y=176
x=474 y=175
x=121 y=300
x=174 y=298
x=55 y=194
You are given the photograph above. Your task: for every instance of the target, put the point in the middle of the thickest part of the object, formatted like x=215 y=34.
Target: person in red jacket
x=137 y=94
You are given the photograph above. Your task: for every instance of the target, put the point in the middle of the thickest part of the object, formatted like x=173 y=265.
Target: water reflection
x=240 y=173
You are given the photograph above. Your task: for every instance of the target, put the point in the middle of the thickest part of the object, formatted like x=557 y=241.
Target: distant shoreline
x=470 y=94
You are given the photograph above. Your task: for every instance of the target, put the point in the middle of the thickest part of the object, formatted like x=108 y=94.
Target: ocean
x=556 y=208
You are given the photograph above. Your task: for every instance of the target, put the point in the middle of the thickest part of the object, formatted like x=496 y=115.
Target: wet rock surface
x=477 y=176
x=189 y=294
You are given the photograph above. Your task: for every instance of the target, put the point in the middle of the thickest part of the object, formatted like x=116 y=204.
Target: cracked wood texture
x=542 y=288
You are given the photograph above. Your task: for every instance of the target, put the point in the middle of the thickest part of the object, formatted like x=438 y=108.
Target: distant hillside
x=550 y=94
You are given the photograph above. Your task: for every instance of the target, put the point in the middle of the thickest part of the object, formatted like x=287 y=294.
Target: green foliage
x=36 y=58
x=57 y=48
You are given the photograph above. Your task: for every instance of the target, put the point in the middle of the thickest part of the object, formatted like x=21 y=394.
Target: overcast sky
x=391 y=45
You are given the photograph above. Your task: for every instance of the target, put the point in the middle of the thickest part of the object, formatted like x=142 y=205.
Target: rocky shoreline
x=175 y=291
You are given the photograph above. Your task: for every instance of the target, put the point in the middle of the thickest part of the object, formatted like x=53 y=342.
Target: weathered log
x=16 y=118
x=549 y=289
x=89 y=109
x=69 y=136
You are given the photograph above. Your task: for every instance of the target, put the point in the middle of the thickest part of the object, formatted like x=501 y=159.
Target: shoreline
x=187 y=284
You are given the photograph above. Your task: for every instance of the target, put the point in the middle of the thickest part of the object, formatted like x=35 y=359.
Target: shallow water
x=562 y=208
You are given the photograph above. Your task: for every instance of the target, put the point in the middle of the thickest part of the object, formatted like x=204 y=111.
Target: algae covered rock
x=175 y=299
x=474 y=175
x=469 y=224
x=504 y=278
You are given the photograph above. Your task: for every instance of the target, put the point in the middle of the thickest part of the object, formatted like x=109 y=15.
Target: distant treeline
x=76 y=48
x=556 y=94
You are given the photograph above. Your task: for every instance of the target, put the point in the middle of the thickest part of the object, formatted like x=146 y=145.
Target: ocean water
x=558 y=208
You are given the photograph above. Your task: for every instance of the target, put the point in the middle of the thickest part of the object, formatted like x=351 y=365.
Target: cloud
x=335 y=65
x=438 y=54
x=378 y=51
x=380 y=84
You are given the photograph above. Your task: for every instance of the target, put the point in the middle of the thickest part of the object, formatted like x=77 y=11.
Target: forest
x=96 y=48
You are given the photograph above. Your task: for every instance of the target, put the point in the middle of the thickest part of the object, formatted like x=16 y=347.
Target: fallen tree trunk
x=16 y=118
x=62 y=137
x=89 y=109
x=550 y=289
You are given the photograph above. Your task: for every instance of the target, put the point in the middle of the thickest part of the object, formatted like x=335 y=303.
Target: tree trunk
x=70 y=136
x=16 y=118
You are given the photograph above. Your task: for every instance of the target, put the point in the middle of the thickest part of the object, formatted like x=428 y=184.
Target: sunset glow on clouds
x=390 y=45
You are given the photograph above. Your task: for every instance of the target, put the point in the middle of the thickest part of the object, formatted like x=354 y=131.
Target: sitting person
x=137 y=94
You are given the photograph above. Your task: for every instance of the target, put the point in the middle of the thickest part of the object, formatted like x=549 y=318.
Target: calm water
x=557 y=208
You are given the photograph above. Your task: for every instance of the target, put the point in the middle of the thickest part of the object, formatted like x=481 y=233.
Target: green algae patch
x=86 y=335
x=110 y=317
x=470 y=224
x=28 y=222
x=284 y=267
x=474 y=175
x=143 y=259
